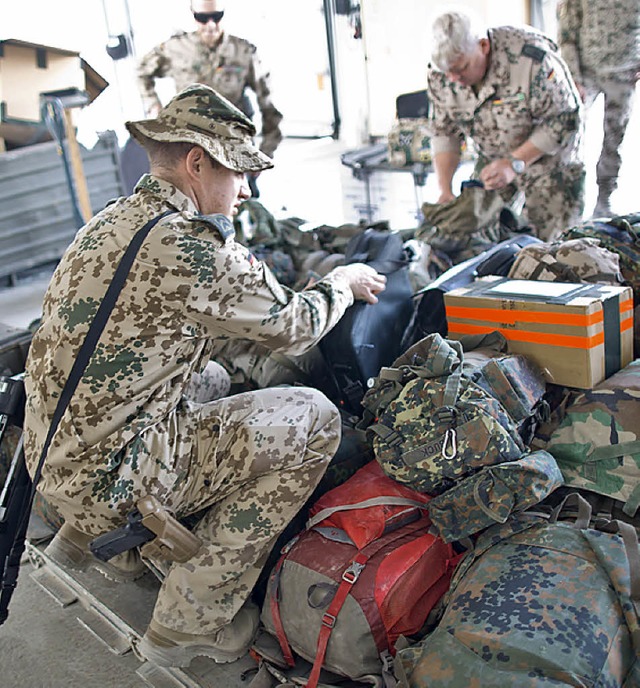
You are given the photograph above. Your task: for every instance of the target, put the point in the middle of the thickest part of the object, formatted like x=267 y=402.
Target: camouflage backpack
x=597 y=442
x=537 y=603
x=620 y=235
x=440 y=415
x=573 y=260
x=409 y=142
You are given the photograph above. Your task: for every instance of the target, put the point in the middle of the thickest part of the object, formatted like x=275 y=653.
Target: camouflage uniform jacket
x=229 y=67
x=189 y=288
x=527 y=93
x=600 y=36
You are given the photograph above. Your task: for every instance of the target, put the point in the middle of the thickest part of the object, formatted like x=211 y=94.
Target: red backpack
x=365 y=571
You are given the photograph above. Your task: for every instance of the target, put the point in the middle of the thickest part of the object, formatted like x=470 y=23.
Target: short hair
x=454 y=34
x=169 y=153
x=165 y=153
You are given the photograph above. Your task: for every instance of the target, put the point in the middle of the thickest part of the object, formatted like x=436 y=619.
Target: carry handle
x=584 y=510
x=365 y=504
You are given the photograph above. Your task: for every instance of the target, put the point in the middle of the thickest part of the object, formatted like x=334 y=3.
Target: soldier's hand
x=446 y=197
x=497 y=174
x=365 y=282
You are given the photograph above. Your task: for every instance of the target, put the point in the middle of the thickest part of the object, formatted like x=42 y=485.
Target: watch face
x=518 y=166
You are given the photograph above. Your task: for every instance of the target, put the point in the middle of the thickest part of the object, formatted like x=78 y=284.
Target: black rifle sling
x=10 y=577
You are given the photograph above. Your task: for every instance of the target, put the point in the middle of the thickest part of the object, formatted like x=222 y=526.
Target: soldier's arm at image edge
x=259 y=81
x=151 y=66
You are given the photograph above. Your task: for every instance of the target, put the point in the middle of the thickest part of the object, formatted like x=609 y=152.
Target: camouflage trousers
x=618 y=104
x=244 y=464
x=254 y=460
x=553 y=196
x=554 y=201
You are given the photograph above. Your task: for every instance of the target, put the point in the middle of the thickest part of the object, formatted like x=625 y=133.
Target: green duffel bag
x=538 y=603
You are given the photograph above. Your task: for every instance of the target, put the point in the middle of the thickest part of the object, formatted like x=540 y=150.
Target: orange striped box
x=580 y=334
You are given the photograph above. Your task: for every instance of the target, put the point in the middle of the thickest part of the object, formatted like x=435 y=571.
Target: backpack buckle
x=352 y=574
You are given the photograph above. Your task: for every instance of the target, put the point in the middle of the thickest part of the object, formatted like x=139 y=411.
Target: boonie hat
x=202 y=116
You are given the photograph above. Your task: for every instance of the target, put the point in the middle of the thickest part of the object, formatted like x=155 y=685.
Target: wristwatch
x=517 y=165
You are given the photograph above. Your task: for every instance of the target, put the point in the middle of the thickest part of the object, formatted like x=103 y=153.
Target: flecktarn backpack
x=365 y=571
x=538 y=602
x=572 y=260
x=435 y=422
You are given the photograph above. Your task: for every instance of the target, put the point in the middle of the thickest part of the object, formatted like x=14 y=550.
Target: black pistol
x=152 y=528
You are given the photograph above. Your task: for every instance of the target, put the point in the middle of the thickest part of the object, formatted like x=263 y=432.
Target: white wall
x=389 y=60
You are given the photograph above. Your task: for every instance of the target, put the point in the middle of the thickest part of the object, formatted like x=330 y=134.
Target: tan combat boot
x=70 y=549
x=168 y=648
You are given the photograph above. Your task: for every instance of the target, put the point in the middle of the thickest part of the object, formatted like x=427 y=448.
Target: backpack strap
x=274 y=585
x=349 y=578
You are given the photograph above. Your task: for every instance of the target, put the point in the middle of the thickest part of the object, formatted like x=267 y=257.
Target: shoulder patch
x=219 y=222
x=532 y=51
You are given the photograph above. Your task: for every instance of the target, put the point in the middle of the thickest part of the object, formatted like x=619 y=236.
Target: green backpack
x=537 y=603
x=441 y=415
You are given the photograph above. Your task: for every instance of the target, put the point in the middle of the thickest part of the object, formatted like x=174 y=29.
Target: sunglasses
x=204 y=17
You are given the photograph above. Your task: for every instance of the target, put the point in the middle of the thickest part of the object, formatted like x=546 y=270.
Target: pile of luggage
x=491 y=538
x=479 y=524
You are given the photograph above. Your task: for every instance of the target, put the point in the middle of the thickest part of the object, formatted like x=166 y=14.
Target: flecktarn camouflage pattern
x=409 y=142
x=202 y=116
x=597 y=445
x=492 y=494
x=620 y=235
x=434 y=424
x=535 y=604
x=134 y=425
x=573 y=260
x=600 y=41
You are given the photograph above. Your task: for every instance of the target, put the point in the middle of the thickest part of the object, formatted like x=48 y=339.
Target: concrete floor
x=42 y=645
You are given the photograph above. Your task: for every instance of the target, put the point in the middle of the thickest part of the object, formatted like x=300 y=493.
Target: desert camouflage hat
x=202 y=116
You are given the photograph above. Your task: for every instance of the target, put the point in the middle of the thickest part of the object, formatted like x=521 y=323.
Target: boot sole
x=182 y=656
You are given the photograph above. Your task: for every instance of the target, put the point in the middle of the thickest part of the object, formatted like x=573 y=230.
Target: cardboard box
x=30 y=71
x=579 y=334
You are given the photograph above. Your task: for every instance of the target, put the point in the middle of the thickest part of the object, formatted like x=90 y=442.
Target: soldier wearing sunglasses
x=211 y=56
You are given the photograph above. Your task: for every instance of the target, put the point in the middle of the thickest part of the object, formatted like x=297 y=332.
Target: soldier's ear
x=195 y=160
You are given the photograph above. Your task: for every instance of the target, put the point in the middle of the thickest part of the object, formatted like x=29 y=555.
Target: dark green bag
x=597 y=442
x=537 y=604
